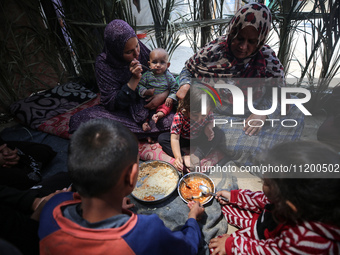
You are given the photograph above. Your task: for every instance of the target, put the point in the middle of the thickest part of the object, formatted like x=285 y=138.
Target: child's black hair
x=99 y=151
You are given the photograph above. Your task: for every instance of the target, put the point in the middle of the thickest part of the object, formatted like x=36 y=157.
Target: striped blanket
x=243 y=149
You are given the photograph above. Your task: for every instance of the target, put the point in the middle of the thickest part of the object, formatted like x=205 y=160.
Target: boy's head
x=100 y=150
x=159 y=61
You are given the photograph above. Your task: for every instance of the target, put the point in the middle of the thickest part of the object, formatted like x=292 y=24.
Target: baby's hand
x=169 y=101
x=157 y=116
x=149 y=92
x=209 y=132
x=223 y=193
x=196 y=210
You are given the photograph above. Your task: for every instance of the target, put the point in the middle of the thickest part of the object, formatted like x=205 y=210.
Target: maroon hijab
x=116 y=34
x=112 y=71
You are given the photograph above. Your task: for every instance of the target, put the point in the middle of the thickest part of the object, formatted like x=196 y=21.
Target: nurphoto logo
x=280 y=99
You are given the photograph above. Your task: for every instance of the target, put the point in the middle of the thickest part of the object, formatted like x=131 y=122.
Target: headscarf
x=112 y=71
x=255 y=15
x=216 y=60
x=116 y=34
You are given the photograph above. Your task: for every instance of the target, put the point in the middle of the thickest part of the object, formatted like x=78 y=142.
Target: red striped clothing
x=189 y=129
x=303 y=238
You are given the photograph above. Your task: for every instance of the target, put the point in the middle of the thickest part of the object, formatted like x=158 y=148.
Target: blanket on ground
x=58 y=144
x=174 y=212
x=50 y=112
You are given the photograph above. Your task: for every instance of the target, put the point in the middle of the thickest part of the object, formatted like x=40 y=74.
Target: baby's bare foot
x=146 y=127
x=150 y=140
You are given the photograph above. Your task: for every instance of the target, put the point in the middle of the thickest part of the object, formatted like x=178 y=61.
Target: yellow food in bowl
x=194 y=193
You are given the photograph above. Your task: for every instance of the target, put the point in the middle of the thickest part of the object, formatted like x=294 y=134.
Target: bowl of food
x=188 y=187
x=157 y=180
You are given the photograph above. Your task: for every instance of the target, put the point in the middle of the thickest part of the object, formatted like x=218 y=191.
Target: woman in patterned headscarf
x=118 y=71
x=241 y=53
x=236 y=57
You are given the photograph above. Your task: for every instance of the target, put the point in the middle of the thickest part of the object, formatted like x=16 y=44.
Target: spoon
x=205 y=191
x=194 y=197
x=186 y=184
x=147 y=68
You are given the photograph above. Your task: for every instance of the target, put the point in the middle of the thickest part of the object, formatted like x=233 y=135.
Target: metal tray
x=158 y=197
x=196 y=175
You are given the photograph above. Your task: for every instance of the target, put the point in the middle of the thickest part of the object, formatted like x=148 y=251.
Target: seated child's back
x=103 y=165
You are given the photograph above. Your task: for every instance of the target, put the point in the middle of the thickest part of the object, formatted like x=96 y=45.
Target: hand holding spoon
x=147 y=68
x=205 y=191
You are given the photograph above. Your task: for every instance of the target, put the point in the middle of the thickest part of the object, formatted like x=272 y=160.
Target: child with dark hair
x=103 y=165
x=291 y=215
x=191 y=127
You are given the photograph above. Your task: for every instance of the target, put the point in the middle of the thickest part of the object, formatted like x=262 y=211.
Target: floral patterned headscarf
x=216 y=60
x=255 y=15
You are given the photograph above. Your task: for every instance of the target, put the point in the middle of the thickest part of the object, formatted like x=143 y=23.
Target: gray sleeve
x=185 y=77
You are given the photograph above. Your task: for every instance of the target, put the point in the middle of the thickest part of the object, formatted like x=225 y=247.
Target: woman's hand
x=136 y=70
x=8 y=157
x=149 y=92
x=256 y=124
x=156 y=100
x=218 y=244
x=182 y=91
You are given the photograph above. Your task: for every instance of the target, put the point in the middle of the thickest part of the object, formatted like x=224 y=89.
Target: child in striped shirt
x=297 y=213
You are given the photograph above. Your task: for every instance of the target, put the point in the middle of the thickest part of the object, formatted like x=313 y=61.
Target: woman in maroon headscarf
x=118 y=71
